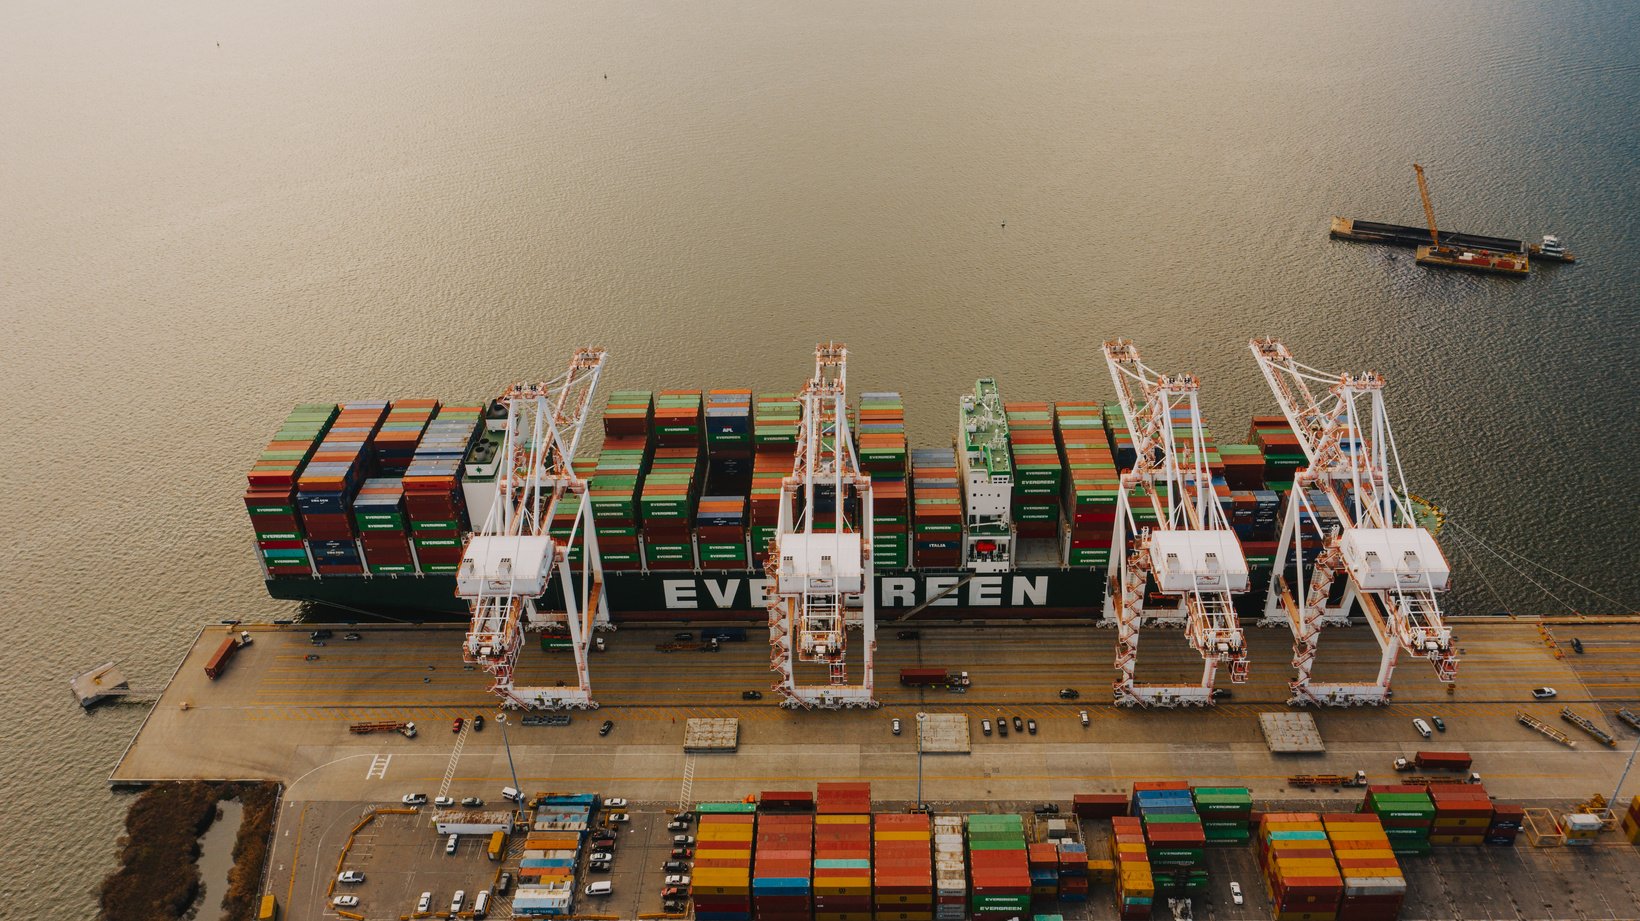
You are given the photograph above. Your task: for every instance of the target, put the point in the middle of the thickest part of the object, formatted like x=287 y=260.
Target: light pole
x=1617 y=790
x=920 y=718
x=501 y=720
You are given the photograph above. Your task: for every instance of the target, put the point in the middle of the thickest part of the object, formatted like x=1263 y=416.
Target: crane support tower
x=820 y=565
x=510 y=560
x=1391 y=567
x=1186 y=548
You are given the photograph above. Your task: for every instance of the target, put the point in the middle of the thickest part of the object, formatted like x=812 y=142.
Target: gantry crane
x=508 y=563
x=820 y=562
x=1189 y=549
x=1393 y=567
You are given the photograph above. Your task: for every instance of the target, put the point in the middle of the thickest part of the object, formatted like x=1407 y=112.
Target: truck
x=408 y=730
x=498 y=845
x=933 y=678
x=1436 y=761
x=1359 y=779
x=223 y=655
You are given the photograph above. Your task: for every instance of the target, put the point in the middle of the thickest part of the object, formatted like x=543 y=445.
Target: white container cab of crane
x=1391 y=558
x=505 y=565
x=820 y=563
x=1198 y=561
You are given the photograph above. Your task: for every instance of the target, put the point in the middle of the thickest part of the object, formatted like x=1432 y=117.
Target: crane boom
x=1429 y=209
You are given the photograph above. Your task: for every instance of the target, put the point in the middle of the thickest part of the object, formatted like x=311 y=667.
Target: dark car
x=1440 y=724
x=1577 y=645
x=1030 y=726
x=603 y=841
x=478 y=723
x=1222 y=694
x=1002 y=726
x=684 y=637
x=908 y=634
x=675 y=866
x=751 y=695
x=321 y=635
x=1069 y=693
x=606 y=727
x=455 y=725
x=1019 y=724
x=600 y=866
x=684 y=817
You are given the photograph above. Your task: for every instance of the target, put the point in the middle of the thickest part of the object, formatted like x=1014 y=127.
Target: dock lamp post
x=1616 y=791
x=501 y=719
x=920 y=719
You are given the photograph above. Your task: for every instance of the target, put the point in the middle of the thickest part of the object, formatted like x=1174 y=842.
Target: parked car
x=345 y=901
x=606 y=727
x=478 y=723
x=614 y=803
x=683 y=853
x=425 y=903
x=683 y=839
x=618 y=818
x=596 y=856
x=684 y=637
x=504 y=883
x=1018 y=726
x=684 y=817
x=896 y=725
x=1577 y=645
x=471 y=802
x=751 y=695
x=1222 y=694
x=1235 y=893
x=455 y=724
x=353 y=637
x=675 y=866
x=1030 y=726
x=1543 y=693
x=444 y=802
x=599 y=866
x=599 y=888
x=677 y=825
x=450 y=844
x=458 y=902
x=1069 y=693
x=1422 y=727
x=1002 y=726
x=1084 y=715
x=321 y=635
x=350 y=876
x=414 y=799
x=1440 y=724
x=673 y=892
x=985 y=726
x=676 y=881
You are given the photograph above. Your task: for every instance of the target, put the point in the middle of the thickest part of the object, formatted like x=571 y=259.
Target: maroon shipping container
x=220 y=659
x=1099 y=805
x=1443 y=761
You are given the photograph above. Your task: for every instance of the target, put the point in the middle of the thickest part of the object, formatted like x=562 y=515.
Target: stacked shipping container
x=842 y=861
x=271 y=496
x=433 y=503
x=774 y=444
x=903 y=867
x=1039 y=473
x=1090 y=483
x=950 y=870
x=936 y=509
x=1135 y=886
x=722 y=885
x=327 y=485
x=546 y=871
x=1407 y=814
x=384 y=531
x=1374 y=887
x=783 y=863
x=880 y=428
x=998 y=871
x=721 y=519
x=1300 y=874
x=1226 y=813
x=1174 y=834
x=1630 y=824
x=1463 y=813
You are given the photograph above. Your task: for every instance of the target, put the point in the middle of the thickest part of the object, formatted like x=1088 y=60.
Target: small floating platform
x=1344 y=228
x=1514 y=264
x=99 y=684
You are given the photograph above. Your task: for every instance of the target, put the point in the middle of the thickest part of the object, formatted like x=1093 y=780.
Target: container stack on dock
x=1073 y=871
x=1135 y=886
x=842 y=853
x=1300 y=873
x=1630 y=825
x=327 y=485
x=902 y=864
x=1090 y=483
x=433 y=503
x=1226 y=813
x=1174 y=833
x=1374 y=887
x=774 y=444
x=998 y=870
x=271 y=494
x=1043 y=859
x=721 y=889
x=546 y=873
x=784 y=862
x=1505 y=827
x=936 y=503
x=1407 y=814
x=1039 y=473
x=950 y=870
x=1463 y=812
x=880 y=428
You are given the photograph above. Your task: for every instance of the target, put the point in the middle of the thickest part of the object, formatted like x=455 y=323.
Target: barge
x=1551 y=248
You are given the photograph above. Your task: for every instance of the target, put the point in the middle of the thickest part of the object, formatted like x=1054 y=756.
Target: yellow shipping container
x=269 y=910
x=1130 y=847
x=881 y=835
x=1371 y=834
x=842 y=820
x=725 y=833
x=1366 y=854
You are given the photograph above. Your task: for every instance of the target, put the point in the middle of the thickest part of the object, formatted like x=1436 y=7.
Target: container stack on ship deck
x=721 y=518
x=271 y=498
x=1091 y=483
x=880 y=431
x=434 y=505
x=774 y=445
x=1038 y=470
x=326 y=487
x=936 y=509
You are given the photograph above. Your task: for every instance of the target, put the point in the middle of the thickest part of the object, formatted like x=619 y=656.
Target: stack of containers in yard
x=327 y=485
x=999 y=874
x=1099 y=805
x=433 y=504
x=613 y=491
x=396 y=441
x=1043 y=859
x=1101 y=853
x=842 y=865
x=1226 y=813
x=271 y=494
x=1630 y=826
x=384 y=532
x=785 y=801
x=1135 y=886
x=1174 y=833
x=774 y=444
x=902 y=864
x=936 y=505
x=722 y=886
x=783 y=864
x=1073 y=871
x=679 y=419
x=1275 y=439
x=880 y=425
x=667 y=506
x=1507 y=821
x=1039 y=473
x=1407 y=814
x=950 y=870
x=1090 y=483
x=1463 y=812
x=1374 y=887
x=728 y=434
x=851 y=798
x=546 y=873
x=1300 y=873
x=1243 y=466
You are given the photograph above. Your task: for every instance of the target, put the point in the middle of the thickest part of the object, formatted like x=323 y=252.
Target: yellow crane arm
x=1429 y=209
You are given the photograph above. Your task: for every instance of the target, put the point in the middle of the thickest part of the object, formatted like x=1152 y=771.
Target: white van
x=511 y=794
x=481 y=904
x=450 y=845
x=458 y=902
x=1422 y=727
x=603 y=888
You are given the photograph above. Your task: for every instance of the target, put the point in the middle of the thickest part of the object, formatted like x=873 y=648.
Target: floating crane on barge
x=821 y=579
x=509 y=561
x=1393 y=568
x=1440 y=254
x=1190 y=549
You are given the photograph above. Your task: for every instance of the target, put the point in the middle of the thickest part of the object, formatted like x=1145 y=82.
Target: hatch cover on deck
x=712 y=735
x=1291 y=733
x=942 y=733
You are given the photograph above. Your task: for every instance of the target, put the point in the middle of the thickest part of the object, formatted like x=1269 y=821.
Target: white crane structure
x=508 y=563
x=1393 y=567
x=821 y=580
x=1189 y=549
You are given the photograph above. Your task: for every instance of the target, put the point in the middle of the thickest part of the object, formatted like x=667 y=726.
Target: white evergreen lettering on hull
x=735 y=594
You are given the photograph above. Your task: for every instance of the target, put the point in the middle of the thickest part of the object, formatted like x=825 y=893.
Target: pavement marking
x=378 y=767
x=685 y=795
x=455 y=757
x=301 y=820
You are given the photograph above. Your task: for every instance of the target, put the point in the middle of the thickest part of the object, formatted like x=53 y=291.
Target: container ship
x=365 y=506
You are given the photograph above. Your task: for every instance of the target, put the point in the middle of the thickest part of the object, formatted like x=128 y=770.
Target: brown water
x=213 y=211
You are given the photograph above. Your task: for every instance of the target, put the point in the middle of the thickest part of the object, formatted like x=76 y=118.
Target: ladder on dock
x=1628 y=716
x=1526 y=719
x=1588 y=726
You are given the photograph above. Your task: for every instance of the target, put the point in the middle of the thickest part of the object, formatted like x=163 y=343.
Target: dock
x=1344 y=228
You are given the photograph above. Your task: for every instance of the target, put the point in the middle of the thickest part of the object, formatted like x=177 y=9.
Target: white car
x=1422 y=727
x=471 y=802
x=599 y=855
x=350 y=876
x=1235 y=893
x=425 y=903
x=444 y=801
x=676 y=881
x=345 y=901
x=896 y=726
x=614 y=803
x=1543 y=693
x=618 y=818
x=414 y=799
x=683 y=839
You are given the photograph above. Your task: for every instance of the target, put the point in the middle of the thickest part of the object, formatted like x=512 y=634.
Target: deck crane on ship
x=820 y=567
x=1187 y=547
x=509 y=561
x=1391 y=566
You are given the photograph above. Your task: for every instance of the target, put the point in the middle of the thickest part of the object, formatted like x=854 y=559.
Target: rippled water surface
x=212 y=211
